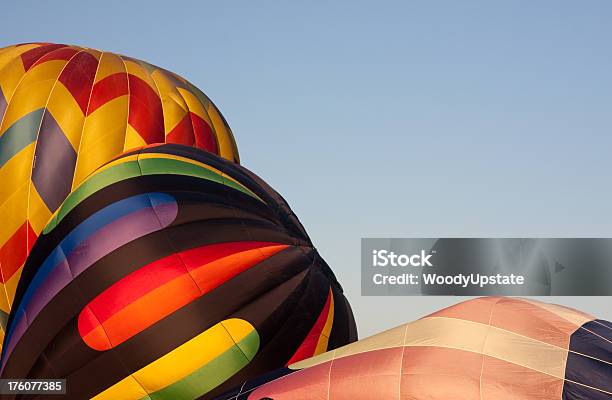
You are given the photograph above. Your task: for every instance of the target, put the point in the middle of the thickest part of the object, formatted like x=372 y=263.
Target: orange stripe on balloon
x=156 y=290
x=209 y=276
x=308 y=348
x=142 y=313
x=14 y=252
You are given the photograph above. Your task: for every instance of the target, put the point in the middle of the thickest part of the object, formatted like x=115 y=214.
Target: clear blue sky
x=428 y=118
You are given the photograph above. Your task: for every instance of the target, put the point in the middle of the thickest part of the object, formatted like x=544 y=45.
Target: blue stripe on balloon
x=83 y=232
x=19 y=135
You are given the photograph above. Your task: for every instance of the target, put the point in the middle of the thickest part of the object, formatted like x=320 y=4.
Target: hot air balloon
x=487 y=348
x=174 y=274
x=65 y=111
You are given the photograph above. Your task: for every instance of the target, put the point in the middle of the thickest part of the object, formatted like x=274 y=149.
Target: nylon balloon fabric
x=66 y=110
x=488 y=348
x=171 y=273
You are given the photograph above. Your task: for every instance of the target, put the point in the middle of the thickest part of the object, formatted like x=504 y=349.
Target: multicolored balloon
x=65 y=111
x=486 y=348
x=174 y=274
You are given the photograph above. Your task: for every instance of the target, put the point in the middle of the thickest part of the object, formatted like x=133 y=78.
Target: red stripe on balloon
x=134 y=286
x=182 y=133
x=146 y=114
x=309 y=345
x=107 y=89
x=30 y=57
x=15 y=251
x=204 y=136
x=156 y=290
x=64 y=53
x=78 y=77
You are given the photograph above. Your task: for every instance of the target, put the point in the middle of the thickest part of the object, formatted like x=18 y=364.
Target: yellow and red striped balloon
x=65 y=111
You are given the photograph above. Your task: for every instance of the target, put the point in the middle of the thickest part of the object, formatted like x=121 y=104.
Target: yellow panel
x=4 y=51
x=227 y=145
x=67 y=113
x=109 y=64
x=126 y=389
x=183 y=360
x=13 y=212
x=16 y=171
x=4 y=304
x=137 y=70
x=11 y=70
x=103 y=137
x=10 y=77
x=14 y=175
x=7 y=292
x=11 y=285
x=11 y=53
x=194 y=105
x=133 y=139
x=174 y=107
x=33 y=91
x=237 y=328
x=38 y=213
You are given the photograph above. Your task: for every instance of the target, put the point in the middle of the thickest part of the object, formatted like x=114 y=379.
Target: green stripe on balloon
x=155 y=166
x=131 y=169
x=90 y=186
